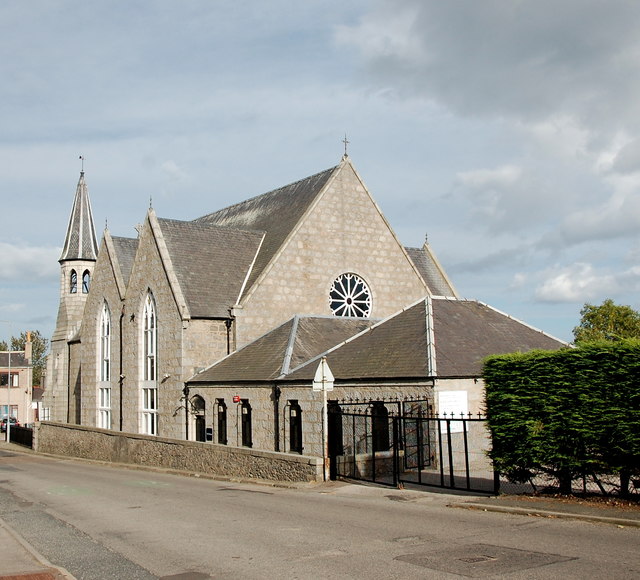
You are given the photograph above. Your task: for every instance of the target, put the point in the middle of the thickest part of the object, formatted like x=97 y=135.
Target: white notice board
x=455 y=402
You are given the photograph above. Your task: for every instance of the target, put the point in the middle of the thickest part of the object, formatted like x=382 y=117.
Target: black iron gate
x=401 y=444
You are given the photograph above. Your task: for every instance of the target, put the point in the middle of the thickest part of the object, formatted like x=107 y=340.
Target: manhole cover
x=478 y=560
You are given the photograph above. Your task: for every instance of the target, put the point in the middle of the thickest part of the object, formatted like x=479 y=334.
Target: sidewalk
x=19 y=561
x=610 y=511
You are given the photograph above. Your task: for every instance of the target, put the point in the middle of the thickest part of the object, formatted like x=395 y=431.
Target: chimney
x=28 y=350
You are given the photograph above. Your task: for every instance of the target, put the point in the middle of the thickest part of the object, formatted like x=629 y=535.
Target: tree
x=608 y=321
x=39 y=346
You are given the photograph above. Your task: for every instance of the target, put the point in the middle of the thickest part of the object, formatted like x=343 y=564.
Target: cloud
x=530 y=60
x=25 y=264
x=582 y=282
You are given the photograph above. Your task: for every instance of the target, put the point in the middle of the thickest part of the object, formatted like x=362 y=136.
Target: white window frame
x=149 y=342
x=149 y=370
x=104 y=407
x=105 y=343
x=150 y=410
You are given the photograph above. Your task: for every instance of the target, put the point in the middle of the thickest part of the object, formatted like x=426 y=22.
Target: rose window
x=350 y=296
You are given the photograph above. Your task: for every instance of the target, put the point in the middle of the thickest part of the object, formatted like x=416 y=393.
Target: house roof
x=125 y=249
x=289 y=345
x=17 y=360
x=436 y=337
x=80 y=242
x=210 y=262
x=275 y=213
x=427 y=264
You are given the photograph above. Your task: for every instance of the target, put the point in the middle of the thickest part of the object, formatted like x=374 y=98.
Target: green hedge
x=566 y=413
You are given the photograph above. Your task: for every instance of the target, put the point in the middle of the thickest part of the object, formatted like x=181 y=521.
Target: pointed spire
x=80 y=241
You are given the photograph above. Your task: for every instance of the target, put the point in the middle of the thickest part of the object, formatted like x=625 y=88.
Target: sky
x=504 y=130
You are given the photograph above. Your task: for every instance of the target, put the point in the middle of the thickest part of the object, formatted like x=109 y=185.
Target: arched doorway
x=198 y=408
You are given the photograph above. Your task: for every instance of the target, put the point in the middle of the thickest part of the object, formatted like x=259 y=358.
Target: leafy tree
x=39 y=346
x=608 y=321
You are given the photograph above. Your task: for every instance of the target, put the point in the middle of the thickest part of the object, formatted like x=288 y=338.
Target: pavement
x=20 y=561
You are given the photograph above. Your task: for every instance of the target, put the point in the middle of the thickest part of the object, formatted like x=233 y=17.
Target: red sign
x=236 y=398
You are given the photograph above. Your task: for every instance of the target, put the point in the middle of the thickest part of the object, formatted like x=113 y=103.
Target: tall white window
x=104 y=408
x=149 y=331
x=149 y=416
x=105 y=344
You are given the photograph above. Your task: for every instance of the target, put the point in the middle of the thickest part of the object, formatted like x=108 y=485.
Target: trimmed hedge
x=566 y=413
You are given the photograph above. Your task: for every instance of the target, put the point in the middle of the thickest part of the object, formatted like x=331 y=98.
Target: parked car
x=3 y=424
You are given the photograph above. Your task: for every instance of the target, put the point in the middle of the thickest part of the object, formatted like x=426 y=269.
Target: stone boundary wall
x=189 y=456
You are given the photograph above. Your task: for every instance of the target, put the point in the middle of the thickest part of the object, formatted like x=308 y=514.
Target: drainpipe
x=276 y=417
x=229 y=324
x=120 y=374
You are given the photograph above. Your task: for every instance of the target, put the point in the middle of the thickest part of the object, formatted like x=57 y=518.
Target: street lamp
x=9 y=385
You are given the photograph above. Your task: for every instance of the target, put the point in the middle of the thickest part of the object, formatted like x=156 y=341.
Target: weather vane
x=82 y=163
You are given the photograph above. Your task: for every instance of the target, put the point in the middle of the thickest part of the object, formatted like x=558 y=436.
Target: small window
x=4 y=379
x=104 y=408
x=150 y=411
x=73 y=282
x=295 y=427
x=245 y=411
x=86 y=281
x=222 y=421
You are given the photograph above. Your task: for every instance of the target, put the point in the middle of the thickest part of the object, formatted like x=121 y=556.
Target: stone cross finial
x=346 y=142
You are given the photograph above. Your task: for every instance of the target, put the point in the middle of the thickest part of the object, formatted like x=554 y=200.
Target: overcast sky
x=505 y=130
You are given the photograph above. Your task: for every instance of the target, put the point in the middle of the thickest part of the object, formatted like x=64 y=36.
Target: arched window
x=149 y=333
x=379 y=426
x=73 y=282
x=295 y=426
x=198 y=409
x=149 y=419
x=105 y=343
x=86 y=281
x=245 y=410
x=350 y=296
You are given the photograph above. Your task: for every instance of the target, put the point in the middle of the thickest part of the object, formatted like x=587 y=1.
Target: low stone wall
x=189 y=456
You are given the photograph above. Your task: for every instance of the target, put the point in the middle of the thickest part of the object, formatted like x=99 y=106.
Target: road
x=101 y=521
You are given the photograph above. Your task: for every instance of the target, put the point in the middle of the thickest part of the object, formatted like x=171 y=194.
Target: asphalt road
x=103 y=522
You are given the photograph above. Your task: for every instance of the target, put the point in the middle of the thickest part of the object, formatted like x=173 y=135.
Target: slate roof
x=427 y=265
x=80 y=242
x=465 y=332
x=275 y=213
x=210 y=262
x=289 y=345
x=126 y=249
x=17 y=360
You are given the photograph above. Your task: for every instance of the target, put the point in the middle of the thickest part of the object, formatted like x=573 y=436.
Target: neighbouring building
x=213 y=329
x=16 y=384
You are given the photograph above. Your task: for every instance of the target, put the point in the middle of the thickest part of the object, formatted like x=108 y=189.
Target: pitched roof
x=80 y=242
x=275 y=213
x=292 y=343
x=211 y=263
x=464 y=331
x=126 y=249
x=467 y=331
x=427 y=264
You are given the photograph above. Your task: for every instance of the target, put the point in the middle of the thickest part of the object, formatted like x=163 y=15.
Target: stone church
x=213 y=329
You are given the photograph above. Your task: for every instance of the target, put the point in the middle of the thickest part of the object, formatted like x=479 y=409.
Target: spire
x=80 y=242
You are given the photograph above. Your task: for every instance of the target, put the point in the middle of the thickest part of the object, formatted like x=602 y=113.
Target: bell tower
x=77 y=261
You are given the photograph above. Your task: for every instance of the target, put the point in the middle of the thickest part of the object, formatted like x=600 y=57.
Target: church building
x=213 y=329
